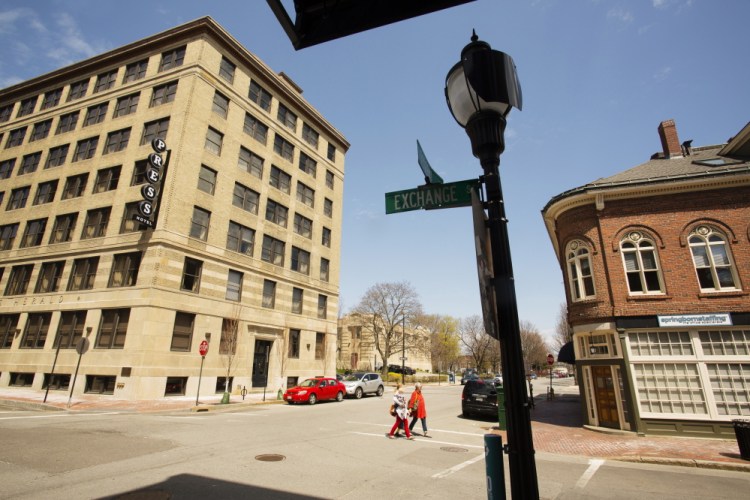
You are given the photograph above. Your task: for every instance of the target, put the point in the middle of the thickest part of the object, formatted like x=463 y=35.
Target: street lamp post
x=481 y=89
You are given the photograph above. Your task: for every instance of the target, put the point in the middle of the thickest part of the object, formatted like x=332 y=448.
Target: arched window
x=580 y=277
x=712 y=259
x=641 y=264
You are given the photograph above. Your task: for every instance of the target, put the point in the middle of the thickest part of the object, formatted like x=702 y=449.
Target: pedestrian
x=399 y=405
x=417 y=409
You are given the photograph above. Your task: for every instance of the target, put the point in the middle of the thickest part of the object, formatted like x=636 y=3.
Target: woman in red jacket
x=417 y=409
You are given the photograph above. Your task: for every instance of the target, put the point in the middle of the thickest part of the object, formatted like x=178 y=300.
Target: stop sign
x=203 y=349
x=550 y=359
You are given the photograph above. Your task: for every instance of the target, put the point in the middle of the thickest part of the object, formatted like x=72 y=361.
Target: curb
x=686 y=462
x=29 y=405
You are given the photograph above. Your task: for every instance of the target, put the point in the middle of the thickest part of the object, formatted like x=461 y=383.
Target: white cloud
x=662 y=74
x=666 y=4
x=622 y=15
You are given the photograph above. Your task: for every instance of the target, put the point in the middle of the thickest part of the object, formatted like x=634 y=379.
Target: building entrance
x=260 y=362
x=606 y=399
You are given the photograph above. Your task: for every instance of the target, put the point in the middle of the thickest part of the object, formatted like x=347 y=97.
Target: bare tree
x=228 y=345
x=385 y=307
x=563 y=331
x=476 y=341
x=533 y=346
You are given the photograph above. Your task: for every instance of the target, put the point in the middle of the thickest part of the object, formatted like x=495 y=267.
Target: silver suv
x=361 y=383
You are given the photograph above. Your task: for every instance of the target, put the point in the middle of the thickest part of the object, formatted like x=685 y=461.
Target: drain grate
x=271 y=457
x=454 y=449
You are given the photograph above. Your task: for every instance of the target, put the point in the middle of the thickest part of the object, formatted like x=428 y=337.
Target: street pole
x=403 y=350
x=52 y=372
x=200 y=375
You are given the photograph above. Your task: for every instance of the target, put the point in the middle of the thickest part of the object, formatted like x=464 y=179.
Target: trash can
x=501 y=407
x=742 y=432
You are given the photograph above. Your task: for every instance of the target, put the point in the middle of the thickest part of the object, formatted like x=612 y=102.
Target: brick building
x=247 y=237
x=656 y=261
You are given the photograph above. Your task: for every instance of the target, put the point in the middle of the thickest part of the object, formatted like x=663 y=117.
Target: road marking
x=456 y=468
x=430 y=431
x=428 y=441
x=594 y=465
x=60 y=415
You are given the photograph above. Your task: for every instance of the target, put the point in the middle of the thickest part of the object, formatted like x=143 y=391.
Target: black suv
x=479 y=397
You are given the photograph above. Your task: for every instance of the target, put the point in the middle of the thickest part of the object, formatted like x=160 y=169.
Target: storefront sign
x=681 y=320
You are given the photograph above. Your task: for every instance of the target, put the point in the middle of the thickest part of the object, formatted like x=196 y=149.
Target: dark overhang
x=318 y=21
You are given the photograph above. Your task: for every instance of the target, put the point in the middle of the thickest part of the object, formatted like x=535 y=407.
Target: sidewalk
x=557 y=427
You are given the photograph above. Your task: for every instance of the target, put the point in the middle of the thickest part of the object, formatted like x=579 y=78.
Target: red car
x=315 y=389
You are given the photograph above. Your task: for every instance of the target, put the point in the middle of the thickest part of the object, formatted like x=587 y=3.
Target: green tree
x=444 y=341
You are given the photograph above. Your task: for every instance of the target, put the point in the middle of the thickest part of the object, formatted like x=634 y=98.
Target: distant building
x=247 y=234
x=356 y=347
x=656 y=261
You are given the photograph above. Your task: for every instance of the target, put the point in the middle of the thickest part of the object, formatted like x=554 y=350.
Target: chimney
x=670 y=143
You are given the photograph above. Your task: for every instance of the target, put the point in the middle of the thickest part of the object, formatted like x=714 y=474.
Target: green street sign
x=431 y=196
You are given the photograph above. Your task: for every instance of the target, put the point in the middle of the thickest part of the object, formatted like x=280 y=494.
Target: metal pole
x=52 y=372
x=200 y=374
x=493 y=462
x=403 y=350
x=75 y=376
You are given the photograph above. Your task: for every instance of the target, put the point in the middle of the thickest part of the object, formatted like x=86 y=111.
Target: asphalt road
x=330 y=450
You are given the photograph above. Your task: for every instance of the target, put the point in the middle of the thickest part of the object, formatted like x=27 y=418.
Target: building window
x=332 y=152
x=580 y=277
x=163 y=94
x=228 y=343
x=63 y=228
x=234 y=286
x=35 y=334
x=269 y=294
x=182 y=332
x=310 y=135
x=129 y=224
x=283 y=148
x=155 y=129
x=240 y=238
x=250 y=162
x=297 y=297
x=113 y=328
x=52 y=98
x=139 y=173
x=207 y=180
x=15 y=137
x=259 y=96
x=326 y=237
x=127 y=104
x=172 y=58
x=8 y=325
x=222 y=386
x=85 y=149
x=730 y=384
x=57 y=156
x=255 y=128
x=300 y=260
x=95 y=114
x=659 y=344
x=30 y=163
x=325 y=265
x=6 y=168
x=328 y=208
x=670 y=388
x=96 y=222
x=135 y=71
x=199 y=223
x=221 y=104
x=305 y=194
x=21 y=379
x=320 y=339
x=276 y=213
x=117 y=141
x=70 y=329
x=75 y=186
x=322 y=306
x=725 y=343
x=78 y=89
x=214 y=141
x=307 y=164
x=56 y=381
x=125 y=270
x=67 y=123
x=175 y=386
x=286 y=117
x=100 y=384
x=191 y=275
x=5 y=112
x=83 y=274
x=40 y=130
x=641 y=264
x=49 y=277
x=18 y=198
x=280 y=179
x=273 y=251
x=712 y=259
x=34 y=233
x=18 y=281
x=226 y=69
x=8 y=236
x=303 y=226
x=294 y=344
x=27 y=106
x=105 y=81
x=245 y=198
x=329 y=179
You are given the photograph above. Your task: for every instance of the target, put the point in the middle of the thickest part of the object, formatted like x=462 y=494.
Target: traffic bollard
x=493 y=457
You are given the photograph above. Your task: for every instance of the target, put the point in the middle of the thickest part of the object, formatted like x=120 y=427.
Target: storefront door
x=260 y=363
x=606 y=399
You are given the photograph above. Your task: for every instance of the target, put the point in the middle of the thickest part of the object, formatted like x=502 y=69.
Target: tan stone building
x=356 y=347
x=247 y=230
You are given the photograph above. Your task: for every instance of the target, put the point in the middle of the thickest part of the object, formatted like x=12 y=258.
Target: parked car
x=479 y=397
x=469 y=376
x=498 y=379
x=361 y=383
x=532 y=376
x=316 y=389
x=397 y=369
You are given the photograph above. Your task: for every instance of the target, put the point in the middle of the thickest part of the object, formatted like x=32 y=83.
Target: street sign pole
x=81 y=347
x=202 y=350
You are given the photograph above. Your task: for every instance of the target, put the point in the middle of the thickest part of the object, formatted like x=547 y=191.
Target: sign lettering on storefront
x=683 y=320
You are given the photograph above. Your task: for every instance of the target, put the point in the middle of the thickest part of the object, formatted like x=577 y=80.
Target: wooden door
x=606 y=398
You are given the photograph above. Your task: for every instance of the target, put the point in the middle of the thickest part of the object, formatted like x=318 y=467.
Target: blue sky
x=598 y=76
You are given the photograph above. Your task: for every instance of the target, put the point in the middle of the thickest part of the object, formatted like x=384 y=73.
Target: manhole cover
x=270 y=458
x=454 y=449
